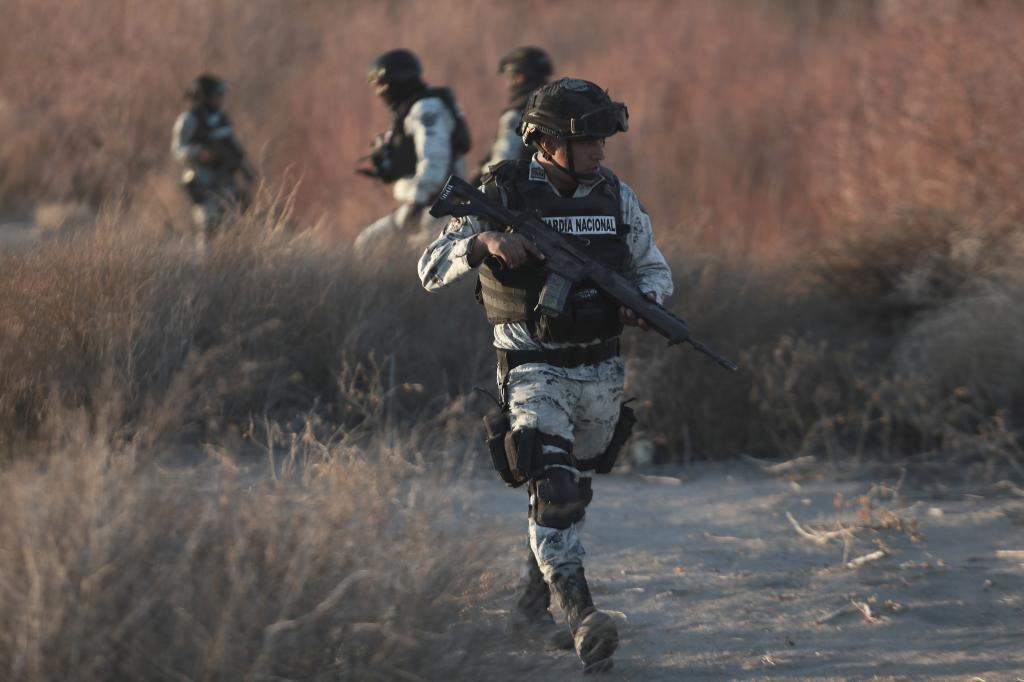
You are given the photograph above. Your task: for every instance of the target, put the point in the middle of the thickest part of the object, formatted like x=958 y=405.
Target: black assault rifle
x=567 y=265
x=230 y=155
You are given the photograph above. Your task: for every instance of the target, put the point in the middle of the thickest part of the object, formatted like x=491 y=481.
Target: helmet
x=205 y=86
x=533 y=62
x=571 y=108
x=394 y=67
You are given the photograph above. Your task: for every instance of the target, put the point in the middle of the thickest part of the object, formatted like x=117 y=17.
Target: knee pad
x=560 y=499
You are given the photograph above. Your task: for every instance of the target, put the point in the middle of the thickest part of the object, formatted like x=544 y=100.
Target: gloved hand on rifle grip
x=630 y=319
x=511 y=249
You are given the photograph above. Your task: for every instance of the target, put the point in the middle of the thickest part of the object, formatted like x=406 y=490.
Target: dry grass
x=837 y=185
x=327 y=545
x=266 y=323
x=839 y=182
x=324 y=561
x=896 y=341
x=275 y=322
x=756 y=125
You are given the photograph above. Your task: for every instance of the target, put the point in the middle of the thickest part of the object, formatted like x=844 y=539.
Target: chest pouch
x=588 y=315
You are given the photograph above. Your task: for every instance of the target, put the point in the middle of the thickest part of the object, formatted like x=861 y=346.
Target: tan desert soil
x=713 y=582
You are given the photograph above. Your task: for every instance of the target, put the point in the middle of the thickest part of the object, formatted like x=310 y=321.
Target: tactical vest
x=596 y=226
x=205 y=131
x=206 y=135
x=402 y=148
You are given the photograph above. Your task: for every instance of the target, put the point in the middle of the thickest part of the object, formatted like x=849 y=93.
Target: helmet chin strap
x=571 y=170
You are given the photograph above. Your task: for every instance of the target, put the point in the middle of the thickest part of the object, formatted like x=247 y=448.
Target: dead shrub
x=756 y=125
x=262 y=324
x=327 y=560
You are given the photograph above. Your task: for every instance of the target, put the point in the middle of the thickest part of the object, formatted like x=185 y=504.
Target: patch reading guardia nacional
x=583 y=224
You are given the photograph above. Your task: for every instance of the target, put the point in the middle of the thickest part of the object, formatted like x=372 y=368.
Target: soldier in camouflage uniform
x=561 y=379
x=204 y=141
x=525 y=69
x=425 y=145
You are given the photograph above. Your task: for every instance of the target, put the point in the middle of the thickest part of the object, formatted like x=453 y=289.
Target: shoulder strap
x=496 y=179
x=500 y=173
x=507 y=175
x=443 y=94
x=461 y=139
x=613 y=188
x=402 y=110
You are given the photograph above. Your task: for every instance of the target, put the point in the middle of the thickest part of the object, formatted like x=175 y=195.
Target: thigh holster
x=519 y=456
x=497 y=428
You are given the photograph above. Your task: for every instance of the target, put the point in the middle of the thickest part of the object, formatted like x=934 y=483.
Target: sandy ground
x=712 y=581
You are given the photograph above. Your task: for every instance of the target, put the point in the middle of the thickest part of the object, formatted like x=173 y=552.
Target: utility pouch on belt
x=497 y=427
x=623 y=427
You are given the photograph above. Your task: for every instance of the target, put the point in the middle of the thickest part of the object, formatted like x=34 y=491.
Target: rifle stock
x=567 y=265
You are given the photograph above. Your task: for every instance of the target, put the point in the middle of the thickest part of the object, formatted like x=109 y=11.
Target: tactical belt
x=572 y=356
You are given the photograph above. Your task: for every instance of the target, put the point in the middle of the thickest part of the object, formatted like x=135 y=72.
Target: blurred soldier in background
x=561 y=378
x=204 y=141
x=426 y=144
x=525 y=69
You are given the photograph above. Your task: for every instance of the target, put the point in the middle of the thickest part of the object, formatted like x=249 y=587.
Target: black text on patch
x=583 y=224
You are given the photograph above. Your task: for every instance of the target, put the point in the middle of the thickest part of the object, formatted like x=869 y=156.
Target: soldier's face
x=514 y=79
x=380 y=89
x=215 y=102
x=587 y=155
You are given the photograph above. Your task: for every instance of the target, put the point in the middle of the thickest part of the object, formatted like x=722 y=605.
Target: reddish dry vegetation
x=756 y=125
x=837 y=185
x=864 y=157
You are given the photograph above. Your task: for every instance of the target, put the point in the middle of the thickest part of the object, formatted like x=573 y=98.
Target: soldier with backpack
x=426 y=143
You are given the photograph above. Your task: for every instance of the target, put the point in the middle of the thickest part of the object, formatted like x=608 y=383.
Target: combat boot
x=532 y=612
x=594 y=633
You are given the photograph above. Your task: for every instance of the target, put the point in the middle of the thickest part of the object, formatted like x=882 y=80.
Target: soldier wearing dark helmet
x=525 y=69
x=204 y=141
x=426 y=143
x=561 y=378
